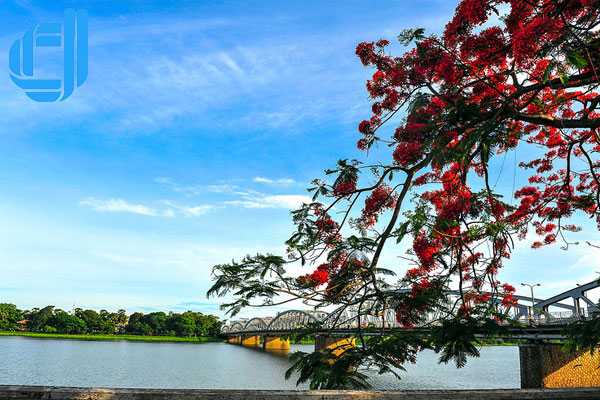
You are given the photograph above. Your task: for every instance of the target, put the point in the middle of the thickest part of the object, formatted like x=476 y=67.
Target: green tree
x=93 y=321
x=108 y=322
x=157 y=321
x=64 y=322
x=38 y=319
x=120 y=319
x=137 y=326
x=10 y=315
x=181 y=324
x=207 y=325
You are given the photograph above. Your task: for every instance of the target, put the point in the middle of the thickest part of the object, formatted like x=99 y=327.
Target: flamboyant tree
x=504 y=74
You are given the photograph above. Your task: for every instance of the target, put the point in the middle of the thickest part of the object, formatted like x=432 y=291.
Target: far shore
x=103 y=337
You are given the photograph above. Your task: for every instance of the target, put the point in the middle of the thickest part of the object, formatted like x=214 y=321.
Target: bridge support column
x=276 y=343
x=549 y=366
x=234 y=340
x=577 y=306
x=251 y=341
x=337 y=345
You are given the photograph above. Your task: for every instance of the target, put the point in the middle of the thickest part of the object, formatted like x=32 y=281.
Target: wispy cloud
x=123 y=206
x=169 y=209
x=190 y=190
x=242 y=197
x=190 y=211
x=260 y=200
x=169 y=70
x=222 y=188
x=196 y=190
x=269 y=181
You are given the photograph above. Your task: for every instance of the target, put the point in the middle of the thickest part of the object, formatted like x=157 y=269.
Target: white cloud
x=195 y=190
x=189 y=211
x=169 y=210
x=188 y=190
x=245 y=198
x=269 y=181
x=197 y=210
x=178 y=73
x=259 y=200
x=122 y=206
x=222 y=188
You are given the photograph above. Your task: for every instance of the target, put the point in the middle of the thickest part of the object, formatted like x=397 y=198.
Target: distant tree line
x=54 y=320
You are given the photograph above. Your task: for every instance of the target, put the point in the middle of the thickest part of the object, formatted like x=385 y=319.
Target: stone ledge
x=8 y=392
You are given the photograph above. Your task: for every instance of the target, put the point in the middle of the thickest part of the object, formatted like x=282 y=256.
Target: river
x=26 y=361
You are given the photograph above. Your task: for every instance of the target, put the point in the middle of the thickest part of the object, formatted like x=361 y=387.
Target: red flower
x=364 y=127
x=378 y=76
x=407 y=153
x=362 y=144
x=343 y=189
x=318 y=277
x=379 y=199
x=508 y=288
x=508 y=300
x=366 y=52
x=425 y=249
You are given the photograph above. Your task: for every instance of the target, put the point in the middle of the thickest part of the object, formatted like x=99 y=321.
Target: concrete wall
x=549 y=366
x=58 y=393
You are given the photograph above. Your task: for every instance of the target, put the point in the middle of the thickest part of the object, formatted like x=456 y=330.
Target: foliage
x=90 y=322
x=105 y=337
x=10 y=316
x=187 y=324
x=505 y=74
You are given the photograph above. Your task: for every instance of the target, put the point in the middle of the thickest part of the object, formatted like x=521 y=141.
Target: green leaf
x=563 y=78
x=577 y=60
x=562 y=74
x=408 y=35
x=402 y=230
x=547 y=72
x=485 y=152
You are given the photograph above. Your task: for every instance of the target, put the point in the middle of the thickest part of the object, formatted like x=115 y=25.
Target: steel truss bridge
x=545 y=324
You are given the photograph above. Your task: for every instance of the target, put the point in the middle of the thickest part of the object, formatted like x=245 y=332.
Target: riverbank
x=100 y=337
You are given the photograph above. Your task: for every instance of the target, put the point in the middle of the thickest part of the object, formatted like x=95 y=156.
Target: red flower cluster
x=425 y=249
x=318 y=277
x=342 y=189
x=454 y=199
x=407 y=153
x=381 y=198
x=508 y=298
x=327 y=228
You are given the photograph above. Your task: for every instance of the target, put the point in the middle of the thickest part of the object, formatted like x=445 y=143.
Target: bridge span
x=542 y=365
x=348 y=319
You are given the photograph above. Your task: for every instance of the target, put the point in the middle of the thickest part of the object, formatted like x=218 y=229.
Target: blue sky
x=199 y=127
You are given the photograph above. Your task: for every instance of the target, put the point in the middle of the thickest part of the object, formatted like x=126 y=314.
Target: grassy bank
x=101 y=337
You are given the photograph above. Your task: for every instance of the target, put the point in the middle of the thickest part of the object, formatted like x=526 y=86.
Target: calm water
x=26 y=361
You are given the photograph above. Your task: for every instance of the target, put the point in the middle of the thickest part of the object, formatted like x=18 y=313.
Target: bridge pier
x=337 y=345
x=251 y=341
x=234 y=340
x=276 y=343
x=549 y=366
